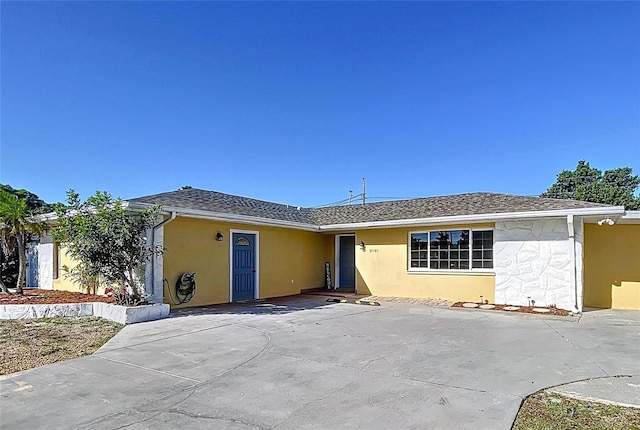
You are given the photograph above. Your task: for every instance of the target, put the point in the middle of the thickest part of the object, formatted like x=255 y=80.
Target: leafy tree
x=614 y=187
x=9 y=258
x=34 y=203
x=16 y=225
x=108 y=242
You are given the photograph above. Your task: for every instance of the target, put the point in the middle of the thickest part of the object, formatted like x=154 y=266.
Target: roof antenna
x=350 y=196
x=364 y=191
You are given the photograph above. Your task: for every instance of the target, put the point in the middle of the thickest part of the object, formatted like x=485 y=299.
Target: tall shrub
x=108 y=242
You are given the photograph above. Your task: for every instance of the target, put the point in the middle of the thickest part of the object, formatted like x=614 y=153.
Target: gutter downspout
x=153 y=242
x=574 y=276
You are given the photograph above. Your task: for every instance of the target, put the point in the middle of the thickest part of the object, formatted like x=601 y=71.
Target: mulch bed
x=523 y=309
x=35 y=296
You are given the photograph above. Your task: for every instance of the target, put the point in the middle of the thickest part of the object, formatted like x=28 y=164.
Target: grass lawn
x=32 y=343
x=550 y=411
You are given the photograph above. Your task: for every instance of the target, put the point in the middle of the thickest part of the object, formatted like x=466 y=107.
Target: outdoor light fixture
x=605 y=221
x=219 y=237
x=362 y=245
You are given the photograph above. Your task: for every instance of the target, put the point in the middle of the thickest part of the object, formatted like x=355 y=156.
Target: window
x=451 y=250
x=242 y=241
x=482 y=252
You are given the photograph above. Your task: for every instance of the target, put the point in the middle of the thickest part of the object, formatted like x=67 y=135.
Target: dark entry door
x=244 y=266
x=347 y=262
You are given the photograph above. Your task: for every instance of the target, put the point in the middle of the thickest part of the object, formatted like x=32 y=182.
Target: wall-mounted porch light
x=606 y=221
x=363 y=246
x=219 y=237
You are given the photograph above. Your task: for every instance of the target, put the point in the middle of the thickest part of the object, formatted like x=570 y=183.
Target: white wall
x=534 y=259
x=45 y=263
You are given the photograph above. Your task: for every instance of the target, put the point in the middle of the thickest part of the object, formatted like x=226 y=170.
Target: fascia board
x=631 y=215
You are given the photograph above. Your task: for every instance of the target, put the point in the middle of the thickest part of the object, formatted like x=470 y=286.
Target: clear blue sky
x=295 y=102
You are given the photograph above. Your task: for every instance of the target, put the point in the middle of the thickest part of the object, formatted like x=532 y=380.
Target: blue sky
x=296 y=102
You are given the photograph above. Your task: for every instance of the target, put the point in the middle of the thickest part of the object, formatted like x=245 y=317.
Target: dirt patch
x=552 y=411
x=32 y=343
x=521 y=309
x=35 y=296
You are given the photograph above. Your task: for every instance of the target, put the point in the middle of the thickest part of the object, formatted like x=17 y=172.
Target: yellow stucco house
x=502 y=248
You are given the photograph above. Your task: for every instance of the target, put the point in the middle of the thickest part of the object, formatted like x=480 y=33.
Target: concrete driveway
x=302 y=363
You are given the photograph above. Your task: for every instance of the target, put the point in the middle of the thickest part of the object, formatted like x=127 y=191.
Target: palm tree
x=16 y=226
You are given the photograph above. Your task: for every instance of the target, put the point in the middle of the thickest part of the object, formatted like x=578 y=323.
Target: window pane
x=419 y=246
x=418 y=240
x=449 y=249
x=482 y=249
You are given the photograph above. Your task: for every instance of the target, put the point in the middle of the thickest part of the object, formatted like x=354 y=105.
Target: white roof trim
x=462 y=219
x=629 y=217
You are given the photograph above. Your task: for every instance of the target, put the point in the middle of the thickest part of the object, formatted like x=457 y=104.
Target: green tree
x=108 y=242
x=17 y=223
x=35 y=204
x=615 y=187
x=9 y=259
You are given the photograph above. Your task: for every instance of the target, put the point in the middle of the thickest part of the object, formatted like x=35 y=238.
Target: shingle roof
x=428 y=207
x=213 y=201
x=442 y=206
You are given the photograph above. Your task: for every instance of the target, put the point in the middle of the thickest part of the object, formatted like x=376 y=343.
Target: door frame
x=256 y=292
x=336 y=263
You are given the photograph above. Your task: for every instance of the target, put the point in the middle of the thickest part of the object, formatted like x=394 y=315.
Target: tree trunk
x=22 y=263
x=135 y=292
x=3 y=287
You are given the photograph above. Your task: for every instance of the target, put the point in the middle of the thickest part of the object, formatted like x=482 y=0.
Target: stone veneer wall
x=533 y=259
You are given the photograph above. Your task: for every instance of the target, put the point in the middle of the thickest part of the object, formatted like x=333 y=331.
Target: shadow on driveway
x=274 y=306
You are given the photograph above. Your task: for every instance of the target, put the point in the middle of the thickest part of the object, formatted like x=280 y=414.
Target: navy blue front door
x=347 y=262
x=244 y=266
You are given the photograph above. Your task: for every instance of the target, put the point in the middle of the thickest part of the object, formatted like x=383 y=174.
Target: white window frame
x=444 y=271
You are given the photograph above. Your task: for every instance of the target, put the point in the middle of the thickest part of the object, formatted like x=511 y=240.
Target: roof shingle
x=428 y=207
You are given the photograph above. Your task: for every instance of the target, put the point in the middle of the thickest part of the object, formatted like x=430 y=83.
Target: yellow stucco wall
x=61 y=281
x=382 y=269
x=289 y=260
x=612 y=266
